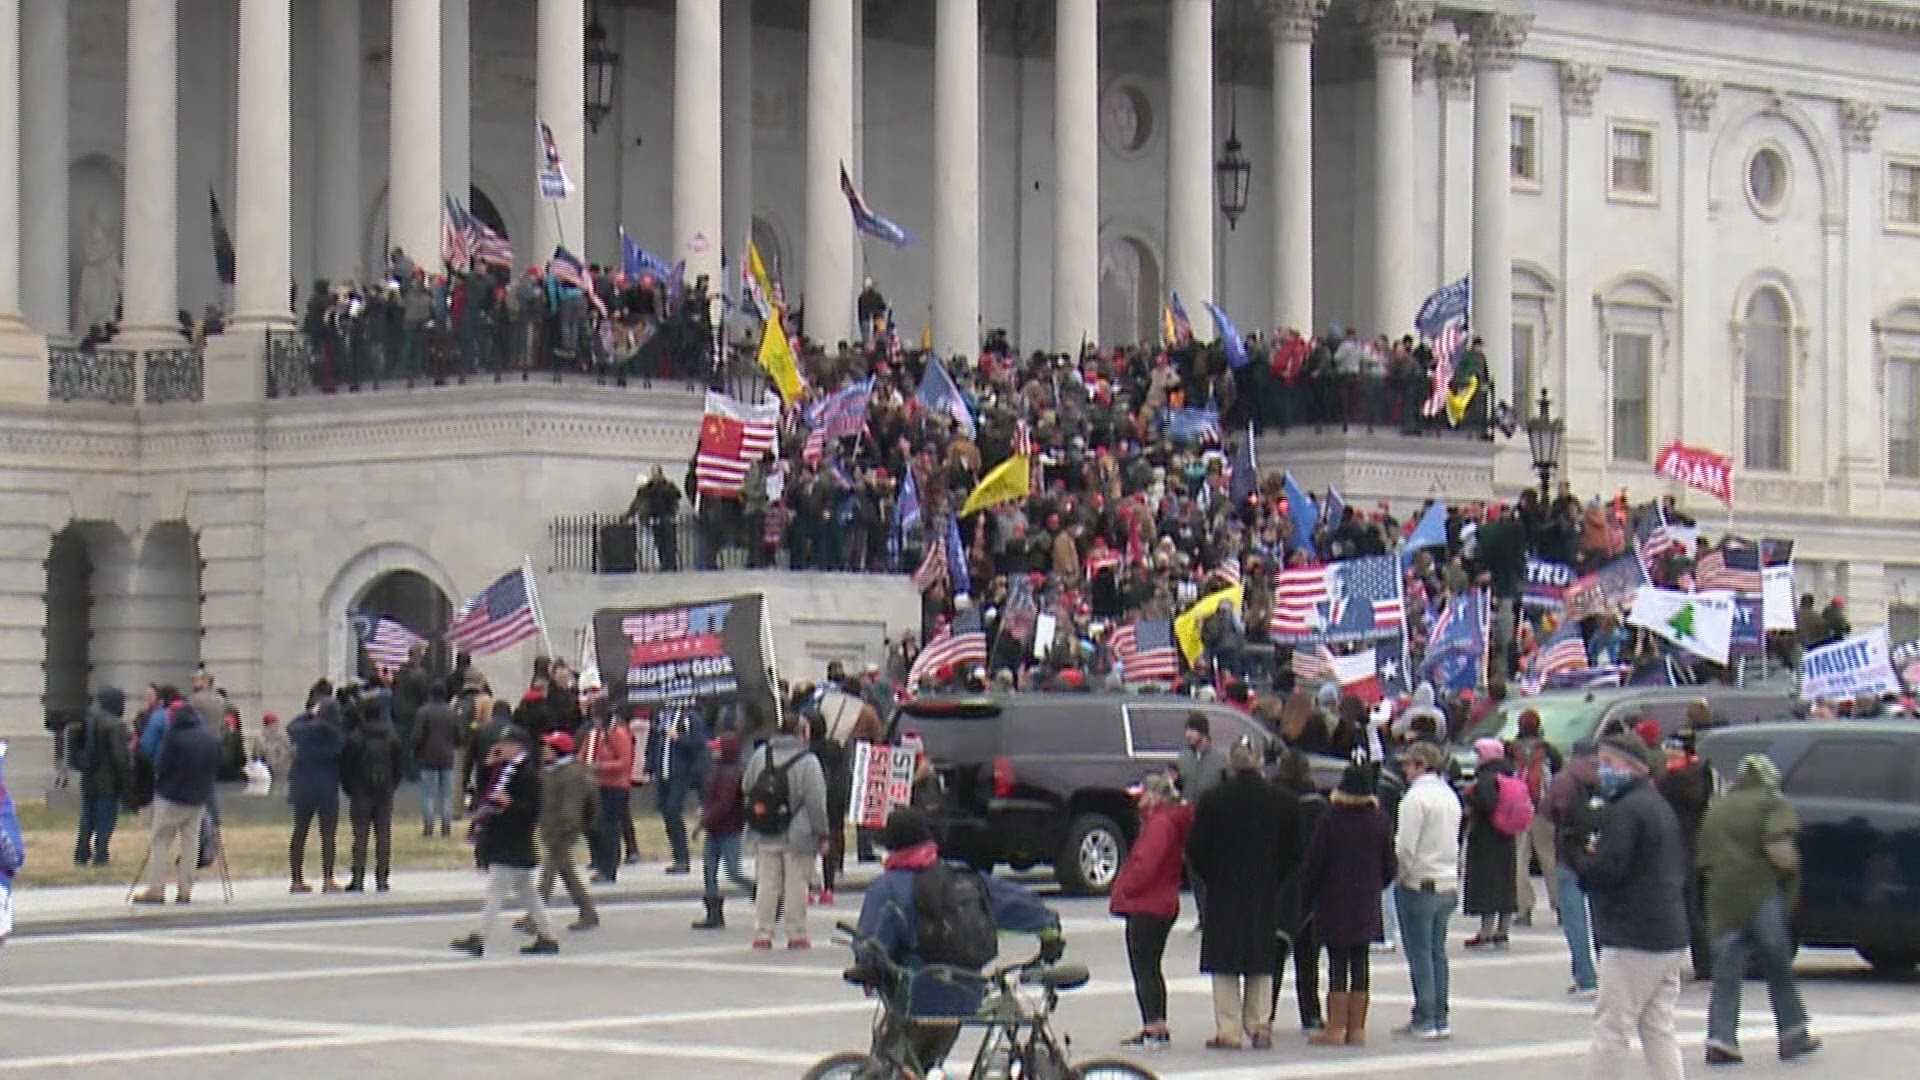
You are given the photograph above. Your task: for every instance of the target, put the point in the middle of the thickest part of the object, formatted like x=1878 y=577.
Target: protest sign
x=1776 y=597
x=694 y=654
x=1854 y=667
x=882 y=780
x=1546 y=588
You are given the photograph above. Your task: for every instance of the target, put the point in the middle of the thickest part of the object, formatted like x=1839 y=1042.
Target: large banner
x=1855 y=667
x=1547 y=583
x=709 y=652
x=1608 y=589
x=882 y=780
x=1702 y=470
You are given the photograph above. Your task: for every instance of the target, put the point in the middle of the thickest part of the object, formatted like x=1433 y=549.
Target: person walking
x=1492 y=865
x=836 y=764
x=677 y=763
x=504 y=816
x=1426 y=853
x=183 y=775
x=1683 y=780
x=106 y=773
x=569 y=803
x=785 y=795
x=1536 y=762
x=1750 y=856
x=1299 y=938
x=436 y=745
x=370 y=771
x=1146 y=893
x=1635 y=873
x=722 y=819
x=1349 y=861
x=1244 y=845
x=1575 y=806
x=313 y=784
x=608 y=752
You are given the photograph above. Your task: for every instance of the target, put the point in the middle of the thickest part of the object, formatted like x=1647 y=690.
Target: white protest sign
x=1855 y=667
x=1776 y=598
x=1044 y=629
x=882 y=780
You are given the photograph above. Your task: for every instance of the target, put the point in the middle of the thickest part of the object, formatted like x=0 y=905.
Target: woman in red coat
x=1147 y=895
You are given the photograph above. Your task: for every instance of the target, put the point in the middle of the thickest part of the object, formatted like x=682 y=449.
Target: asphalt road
x=646 y=997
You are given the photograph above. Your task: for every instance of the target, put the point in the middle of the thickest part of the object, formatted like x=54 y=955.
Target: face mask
x=1613 y=779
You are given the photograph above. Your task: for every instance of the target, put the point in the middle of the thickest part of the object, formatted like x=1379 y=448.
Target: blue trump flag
x=1304 y=514
x=905 y=514
x=1246 y=469
x=957 y=559
x=1457 y=643
x=1229 y=334
x=1336 y=506
x=1430 y=532
x=939 y=394
x=636 y=260
x=1192 y=425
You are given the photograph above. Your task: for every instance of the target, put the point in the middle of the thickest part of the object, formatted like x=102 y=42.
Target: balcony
x=1367 y=437
x=122 y=376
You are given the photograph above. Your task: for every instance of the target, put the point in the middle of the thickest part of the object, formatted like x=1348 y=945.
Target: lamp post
x=602 y=71
x=1233 y=173
x=1545 y=433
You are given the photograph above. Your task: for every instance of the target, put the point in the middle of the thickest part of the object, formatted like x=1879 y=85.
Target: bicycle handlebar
x=866 y=949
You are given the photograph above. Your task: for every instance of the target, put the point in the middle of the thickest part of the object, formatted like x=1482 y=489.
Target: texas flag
x=1359 y=675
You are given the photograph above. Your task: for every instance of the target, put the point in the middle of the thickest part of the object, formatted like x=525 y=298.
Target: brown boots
x=1346 y=1020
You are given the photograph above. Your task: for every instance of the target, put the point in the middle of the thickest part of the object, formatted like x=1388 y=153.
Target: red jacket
x=1149 y=881
x=610 y=753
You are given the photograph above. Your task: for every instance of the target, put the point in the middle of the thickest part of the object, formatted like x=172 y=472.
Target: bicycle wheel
x=849 y=1065
x=1110 y=1069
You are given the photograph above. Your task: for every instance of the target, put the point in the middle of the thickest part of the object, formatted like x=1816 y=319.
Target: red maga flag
x=1702 y=470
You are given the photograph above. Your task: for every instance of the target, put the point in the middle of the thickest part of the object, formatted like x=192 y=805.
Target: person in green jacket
x=1749 y=854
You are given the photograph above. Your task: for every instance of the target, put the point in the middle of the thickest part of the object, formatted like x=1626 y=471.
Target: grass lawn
x=256 y=835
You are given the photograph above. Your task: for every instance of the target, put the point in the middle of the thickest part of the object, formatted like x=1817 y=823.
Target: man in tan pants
x=788 y=818
x=1242 y=1003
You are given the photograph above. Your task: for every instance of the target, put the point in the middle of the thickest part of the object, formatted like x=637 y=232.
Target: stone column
x=1862 y=471
x=413 y=132
x=1581 y=180
x=830 y=234
x=456 y=99
x=1494 y=40
x=697 y=177
x=560 y=100
x=24 y=546
x=1708 y=423
x=232 y=543
x=263 y=185
x=337 y=207
x=150 y=276
x=1451 y=67
x=956 y=178
x=736 y=150
x=1294 y=23
x=1076 y=175
x=45 y=160
x=1190 y=158
x=1396 y=27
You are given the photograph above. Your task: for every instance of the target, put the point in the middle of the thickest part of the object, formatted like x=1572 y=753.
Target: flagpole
x=533 y=601
x=1400 y=584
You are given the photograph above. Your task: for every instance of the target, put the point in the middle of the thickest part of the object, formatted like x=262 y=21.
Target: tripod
x=219 y=860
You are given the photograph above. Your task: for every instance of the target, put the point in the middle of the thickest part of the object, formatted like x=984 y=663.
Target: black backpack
x=80 y=746
x=376 y=764
x=770 y=799
x=955 y=913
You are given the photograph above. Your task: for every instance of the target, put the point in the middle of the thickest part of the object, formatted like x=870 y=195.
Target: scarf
x=486 y=806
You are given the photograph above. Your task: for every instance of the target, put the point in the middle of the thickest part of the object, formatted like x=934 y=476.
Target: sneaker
x=1482 y=941
x=1437 y=1034
x=581 y=926
x=813 y=896
x=1723 y=1055
x=541 y=946
x=763 y=943
x=1798 y=1046
x=1148 y=1040
x=826 y=898
x=1415 y=1031
x=472 y=945
x=798 y=944
x=1583 y=993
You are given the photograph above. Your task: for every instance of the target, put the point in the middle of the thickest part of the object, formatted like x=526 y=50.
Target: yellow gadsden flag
x=758 y=268
x=1459 y=400
x=1186 y=627
x=776 y=356
x=1008 y=481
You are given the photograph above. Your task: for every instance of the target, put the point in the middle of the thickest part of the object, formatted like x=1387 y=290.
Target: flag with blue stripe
x=957 y=559
x=1303 y=513
x=939 y=394
x=1229 y=334
x=869 y=222
x=636 y=260
x=1193 y=425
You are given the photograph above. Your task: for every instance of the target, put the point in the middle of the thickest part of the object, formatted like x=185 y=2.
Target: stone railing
x=175 y=375
x=106 y=376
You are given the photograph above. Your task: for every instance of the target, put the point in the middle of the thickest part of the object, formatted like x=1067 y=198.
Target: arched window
x=1130 y=295
x=1769 y=398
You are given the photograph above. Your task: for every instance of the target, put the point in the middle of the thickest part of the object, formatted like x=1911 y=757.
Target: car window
x=1724 y=754
x=1157 y=729
x=1230 y=728
x=1046 y=730
x=1670 y=712
x=1564 y=719
x=1850 y=767
x=1752 y=708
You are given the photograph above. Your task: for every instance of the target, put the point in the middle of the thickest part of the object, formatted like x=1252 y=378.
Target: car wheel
x=1890 y=961
x=1091 y=859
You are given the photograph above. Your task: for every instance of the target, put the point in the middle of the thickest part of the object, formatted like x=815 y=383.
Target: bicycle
x=1019 y=1044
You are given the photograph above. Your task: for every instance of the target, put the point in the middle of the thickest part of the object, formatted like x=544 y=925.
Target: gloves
x=1053 y=946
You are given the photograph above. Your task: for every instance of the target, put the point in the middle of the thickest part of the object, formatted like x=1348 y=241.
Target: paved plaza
x=645 y=997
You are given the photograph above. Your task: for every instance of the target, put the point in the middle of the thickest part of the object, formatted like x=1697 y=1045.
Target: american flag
x=1228 y=569
x=959 y=643
x=1145 y=651
x=1313 y=665
x=933 y=567
x=1350 y=600
x=567 y=269
x=1442 y=323
x=489 y=248
x=1734 y=567
x=1564 y=651
x=455 y=238
x=389 y=644
x=732 y=437
x=498 y=617
x=842 y=416
x=1101 y=558
x=1023 y=439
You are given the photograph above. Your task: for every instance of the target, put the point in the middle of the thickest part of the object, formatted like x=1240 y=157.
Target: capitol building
x=1691 y=220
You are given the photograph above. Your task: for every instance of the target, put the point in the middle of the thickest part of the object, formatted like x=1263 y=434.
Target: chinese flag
x=721 y=436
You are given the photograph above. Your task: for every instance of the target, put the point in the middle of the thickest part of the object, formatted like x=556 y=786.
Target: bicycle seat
x=1061 y=977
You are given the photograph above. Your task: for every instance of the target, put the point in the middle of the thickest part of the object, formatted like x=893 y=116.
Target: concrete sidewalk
x=105 y=908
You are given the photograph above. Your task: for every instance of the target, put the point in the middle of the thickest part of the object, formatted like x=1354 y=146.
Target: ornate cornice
x=1579 y=85
x=1449 y=65
x=1696 y=97
x=1858 y=120
x=1396 y=26
x=1495 y=39
x=1295 y=20
x=1866 y=16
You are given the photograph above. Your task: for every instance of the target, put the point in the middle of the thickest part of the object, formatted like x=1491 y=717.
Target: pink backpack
x=1513 y=813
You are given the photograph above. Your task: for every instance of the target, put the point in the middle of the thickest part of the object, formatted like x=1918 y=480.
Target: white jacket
x=1427 y=842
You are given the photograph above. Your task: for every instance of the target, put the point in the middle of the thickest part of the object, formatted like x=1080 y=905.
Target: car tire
x=1890 y=961
x=1090 y=860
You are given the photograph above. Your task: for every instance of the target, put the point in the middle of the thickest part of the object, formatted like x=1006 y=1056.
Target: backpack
x=1536 y=770
x=1513 y=812
x=955 y=917
x=770 y=799
x=376 y=764
x=80 y=754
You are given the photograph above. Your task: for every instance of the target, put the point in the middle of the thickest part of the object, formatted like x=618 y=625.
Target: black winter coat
x=1636 y=878
x=373 y=763
x=1492 y=886
x=1245 y=844
x=506 y=838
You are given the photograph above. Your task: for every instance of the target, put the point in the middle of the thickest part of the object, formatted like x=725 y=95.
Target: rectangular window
x=1524 y=336
x=1903 y=193
x=1903 y=623
x=1630 y=173
x=1523 y=151
x=1632 y=396
x=1903 y=418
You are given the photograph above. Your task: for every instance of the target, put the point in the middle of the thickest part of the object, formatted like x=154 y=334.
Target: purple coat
x=1349 y=862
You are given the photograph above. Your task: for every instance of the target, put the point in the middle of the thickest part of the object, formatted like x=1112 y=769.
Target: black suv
x=1041 y=779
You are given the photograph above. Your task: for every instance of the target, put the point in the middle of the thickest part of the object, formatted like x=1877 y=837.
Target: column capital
x=1579 y=85
x=1294 y=20
x=1448 y=64
x=1697 y=98
x=1858 y=120
x=1495 y=39
x=1396 y=26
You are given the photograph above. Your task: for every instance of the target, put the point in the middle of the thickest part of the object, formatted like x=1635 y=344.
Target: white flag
x=1701 y=623
x=589 y=680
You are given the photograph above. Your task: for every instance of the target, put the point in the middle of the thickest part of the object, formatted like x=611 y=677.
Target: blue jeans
x=1423 y=934
x=673 y=807
x=436 y=797
x=1765 y=938
x=1575 y=925
x=718 y=851
x=1389 y=917
x=604 y=843
x=98 y=815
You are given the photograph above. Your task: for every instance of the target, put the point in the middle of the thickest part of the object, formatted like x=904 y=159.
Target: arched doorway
x=1129 y=292
x=419 y=607
x=69 y=626
x=481 y=206
x=168 y=589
